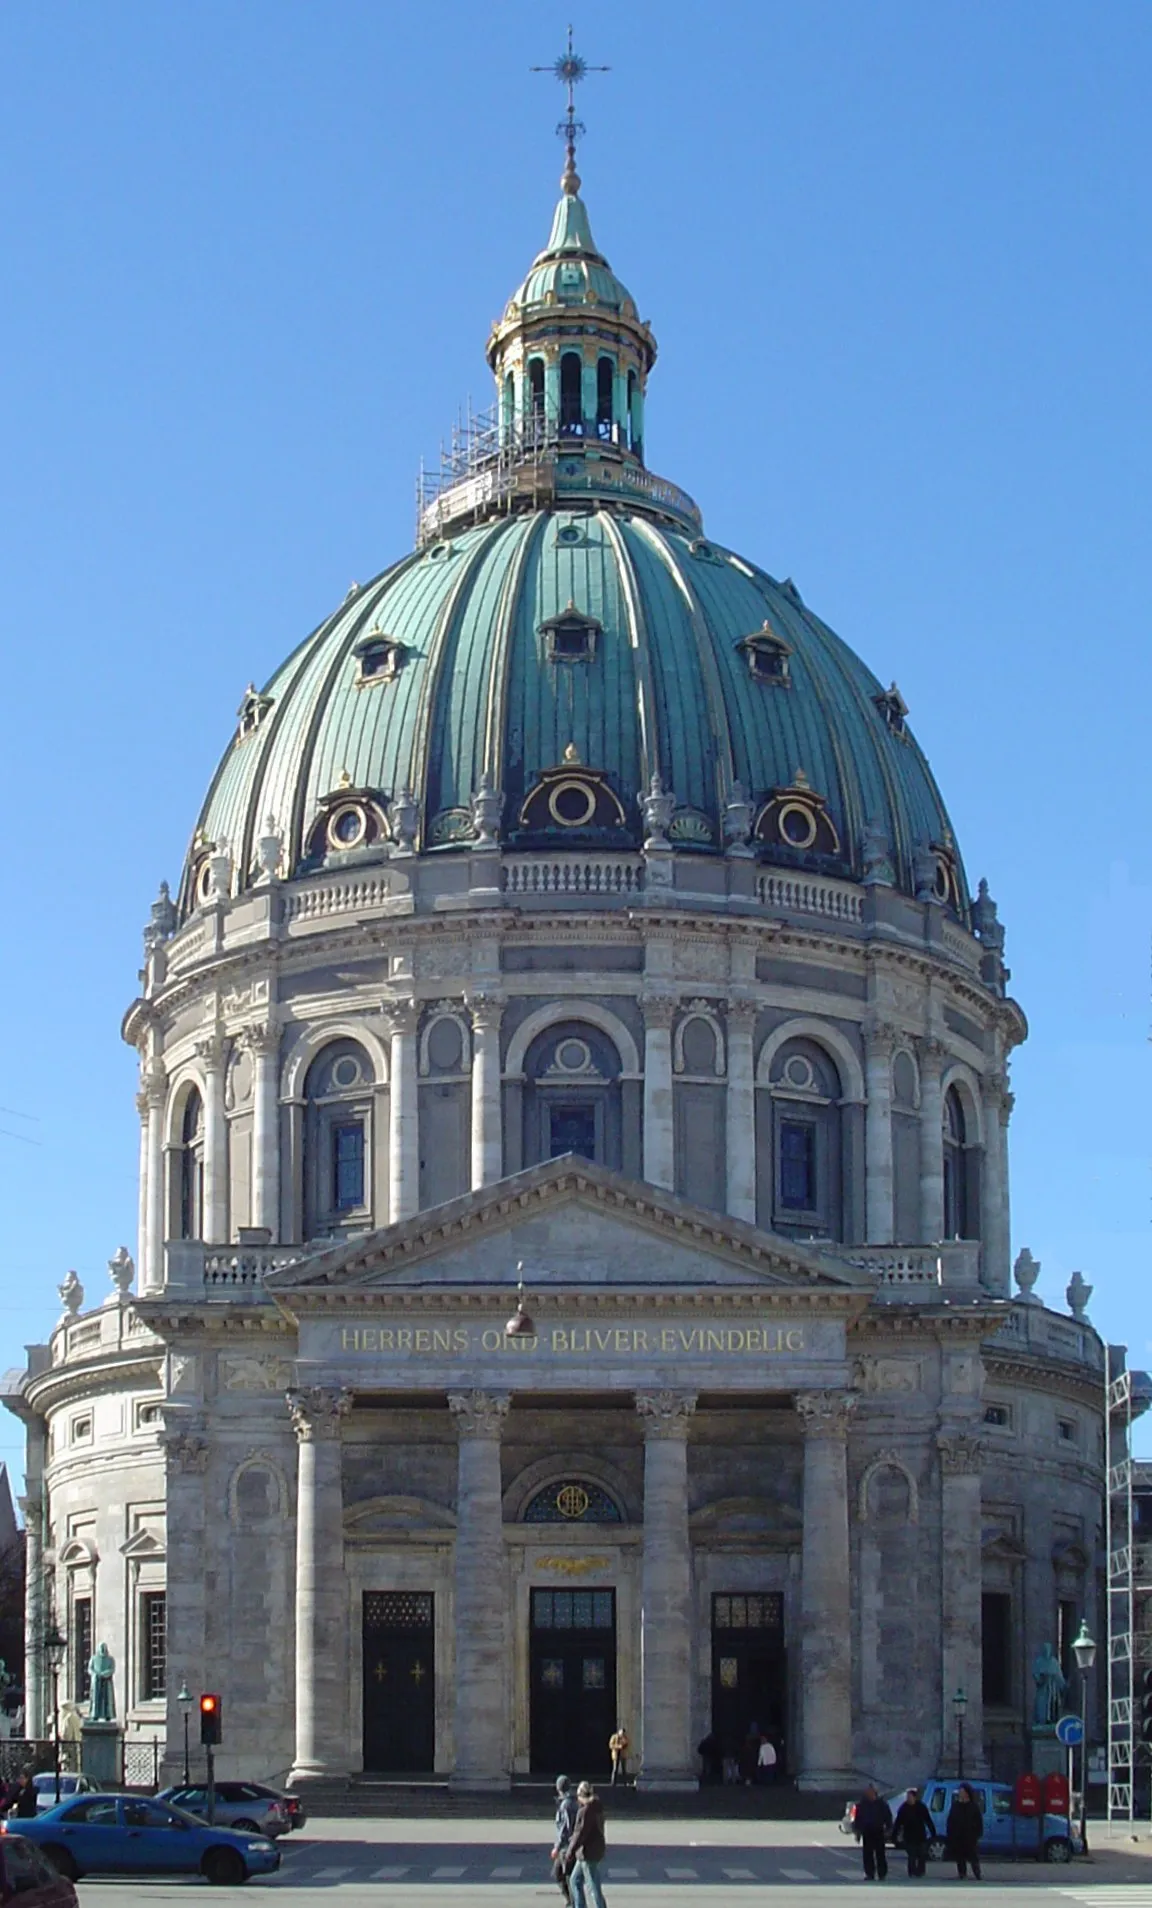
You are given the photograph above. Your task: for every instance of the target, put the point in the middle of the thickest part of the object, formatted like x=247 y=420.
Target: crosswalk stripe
x=622 y=1874
x=1132 y=1894
x=798 y=1874
x=329 y=1874
x=681 y=1874
x=849 y=1874
x=447 y=1874
x=389 y=1874
x=507 y=1874
x=739 y=1874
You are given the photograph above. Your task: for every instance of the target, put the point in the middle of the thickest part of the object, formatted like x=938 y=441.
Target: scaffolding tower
x=1129 y=1584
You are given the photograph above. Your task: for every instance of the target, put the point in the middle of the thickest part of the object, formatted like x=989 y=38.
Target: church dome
x=568 y=646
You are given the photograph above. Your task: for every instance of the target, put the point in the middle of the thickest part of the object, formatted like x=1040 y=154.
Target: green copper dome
x=567 y=646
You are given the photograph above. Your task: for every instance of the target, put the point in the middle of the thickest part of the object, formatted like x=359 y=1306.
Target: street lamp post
x=55 y=1649
x=185 y=1699
x=1084 y=1650
x=959 y=1705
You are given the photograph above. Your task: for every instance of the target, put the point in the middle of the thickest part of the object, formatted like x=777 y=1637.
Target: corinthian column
x=482 y=1654
x=404 y=1114
x=186 y=1456
x=487 y=1126
x=878 y=1180
x=214 y=1054
x=995 y=1227
x=156 y=1092
x=740 y=1119
x=961 y=1580
x=322 y=1694
x=659 y=1146
x=263 y=1042
x=825 y=1593
x=666 y=1627
x=932 y=1056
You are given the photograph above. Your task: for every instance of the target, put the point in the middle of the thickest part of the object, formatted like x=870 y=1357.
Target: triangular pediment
x=573 y=1225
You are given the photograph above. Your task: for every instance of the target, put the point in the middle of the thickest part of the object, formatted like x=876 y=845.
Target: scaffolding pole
x=1129 y=1586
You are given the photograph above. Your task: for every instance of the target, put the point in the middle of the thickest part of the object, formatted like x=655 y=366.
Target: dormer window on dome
x=252 y=711
x=893 y=708
x=797 y=817
x=571 y=797
x=571 y=636
x=380 y=657
x=768 y=656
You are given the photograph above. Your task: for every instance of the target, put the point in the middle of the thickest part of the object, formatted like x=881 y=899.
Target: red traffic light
x=208 y=1704
x=210 y=1718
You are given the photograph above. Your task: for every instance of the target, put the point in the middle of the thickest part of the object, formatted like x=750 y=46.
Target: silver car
x=70 y=1785
x=239 y=1805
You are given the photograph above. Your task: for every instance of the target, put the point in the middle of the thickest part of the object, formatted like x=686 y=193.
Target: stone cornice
x=1048 y=1375
x=65 y=1384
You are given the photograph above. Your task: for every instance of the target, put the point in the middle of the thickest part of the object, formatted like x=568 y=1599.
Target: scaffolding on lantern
x=1129 y=1586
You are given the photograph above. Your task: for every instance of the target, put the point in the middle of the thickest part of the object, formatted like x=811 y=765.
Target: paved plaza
x=431 y=1864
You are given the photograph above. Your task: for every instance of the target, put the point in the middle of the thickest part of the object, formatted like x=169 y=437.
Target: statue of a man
x=1050 y=1682
x=101 y=1669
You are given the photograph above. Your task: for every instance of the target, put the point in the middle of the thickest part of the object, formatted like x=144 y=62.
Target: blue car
x=133 y=1835
x=994 y=1800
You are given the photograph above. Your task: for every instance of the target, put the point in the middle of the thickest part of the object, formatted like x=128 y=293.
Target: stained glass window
x=572 y=1610
x=398 y=1610
x=570 y=1501
x=763 y=1612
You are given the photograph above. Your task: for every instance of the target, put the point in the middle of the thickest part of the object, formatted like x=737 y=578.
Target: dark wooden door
x=399 y=1682
x=572 y=1666
x=749 y=1680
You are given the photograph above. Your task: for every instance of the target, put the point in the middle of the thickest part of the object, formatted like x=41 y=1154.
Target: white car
x=70 y=1785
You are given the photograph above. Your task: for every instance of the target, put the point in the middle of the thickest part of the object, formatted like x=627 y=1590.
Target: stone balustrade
x=229 y=1271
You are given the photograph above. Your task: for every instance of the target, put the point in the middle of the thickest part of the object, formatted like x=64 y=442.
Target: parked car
x=994 y=1800
x=25 y=1871
x=138 y=1835
x=70 y=1785
x=239 y=1805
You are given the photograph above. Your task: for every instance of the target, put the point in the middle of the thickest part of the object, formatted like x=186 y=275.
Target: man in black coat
x=914 y=1829
x=872 y=1821
x=965 y=1827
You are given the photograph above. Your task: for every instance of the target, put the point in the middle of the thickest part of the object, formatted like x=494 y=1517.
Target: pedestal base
x=1049 y=1757
x=101 y=1753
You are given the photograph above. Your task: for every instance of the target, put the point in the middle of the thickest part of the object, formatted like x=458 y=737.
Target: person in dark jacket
x=23 y=1803
x=567 y=1809
x=586 y=1850
x=965 y=1827
x=913 y=1829
x=871 y=1823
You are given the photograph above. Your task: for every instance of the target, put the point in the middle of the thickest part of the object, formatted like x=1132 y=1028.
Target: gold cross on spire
x=570 y=68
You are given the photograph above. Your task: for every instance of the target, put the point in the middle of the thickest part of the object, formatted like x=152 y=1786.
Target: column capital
x=665 y=1413
x=213 y=1050
x=185 y=1453
x=487 y=1011
x=317 y=1411
x=961 y=1454
x=401 y=1016
x=933 y=1053
x=479 y=1414
x=880 y=1037
x=659 y=1011
x=142 y=1104
x=997 y=1095
x=825 y=1414
x=261 y=1037
x=154 y=1082
x=741 y=1014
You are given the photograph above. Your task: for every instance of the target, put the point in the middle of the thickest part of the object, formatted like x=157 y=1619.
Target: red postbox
x=1028 y=1797
x=1056 y=1798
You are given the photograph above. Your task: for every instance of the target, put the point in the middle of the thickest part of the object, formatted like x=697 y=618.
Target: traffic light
x=210 y=1720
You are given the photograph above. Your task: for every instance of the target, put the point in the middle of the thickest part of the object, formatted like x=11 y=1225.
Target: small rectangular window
x=998 y=1415
x=147 y=1414
x=81 y=1648
x=797 y=1165
x=996 y=1615
x=347 y=1166
x=81 y=1430
x=1067 y=1430
x=153 y=1645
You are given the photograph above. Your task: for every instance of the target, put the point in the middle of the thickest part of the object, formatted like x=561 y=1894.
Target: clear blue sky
x=896 y=257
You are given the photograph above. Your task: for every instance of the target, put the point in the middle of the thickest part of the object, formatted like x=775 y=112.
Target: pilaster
x=667 y=1760
x=933 y=1054
x=487 y=1125
x=404 y=1112
x=317 y=1415
x=156 y=1094
x=961 y=1455
x=481 y=1613
x=740 y=1111
x=659 y=1143
x=213 y=1053
x=995 y=1222
x=879 y=1041
x=263 y=1042
x=826 y=1593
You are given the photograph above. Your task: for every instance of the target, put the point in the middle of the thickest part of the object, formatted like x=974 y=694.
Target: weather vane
x=570 y=69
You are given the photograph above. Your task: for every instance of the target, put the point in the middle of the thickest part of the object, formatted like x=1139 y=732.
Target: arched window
x=192 y=1168
x=957 y=1200
x=572 y=1501
x=572 y=1096
x=536 y=386
x=798 y=1144
x=571 y=380
x=338 y=1141
x=605 y=381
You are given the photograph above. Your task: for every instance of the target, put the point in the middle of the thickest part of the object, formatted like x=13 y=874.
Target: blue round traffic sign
x=1069 y=1731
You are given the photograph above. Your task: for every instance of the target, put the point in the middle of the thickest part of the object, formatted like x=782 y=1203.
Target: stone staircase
x=378 y=1798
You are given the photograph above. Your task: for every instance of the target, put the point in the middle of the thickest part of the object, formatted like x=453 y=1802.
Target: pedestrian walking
x=567 y=1809
x=586 y=1850
x=24 y=1802
x=766 y=1761
x=912 y=1830
x=872 y=1822
x=965 y=1827
x=618 y=1747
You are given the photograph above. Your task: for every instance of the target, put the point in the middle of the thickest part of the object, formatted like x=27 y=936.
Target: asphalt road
x=479 y=1863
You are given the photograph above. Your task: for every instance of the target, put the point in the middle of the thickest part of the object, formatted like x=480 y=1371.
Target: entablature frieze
x=1046 y=1375
x=74 y=1383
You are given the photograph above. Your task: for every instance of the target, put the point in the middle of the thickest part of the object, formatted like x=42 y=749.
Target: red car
x=28 y=1877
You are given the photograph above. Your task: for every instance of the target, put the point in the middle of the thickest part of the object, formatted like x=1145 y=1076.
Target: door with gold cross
x=399 y=1681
